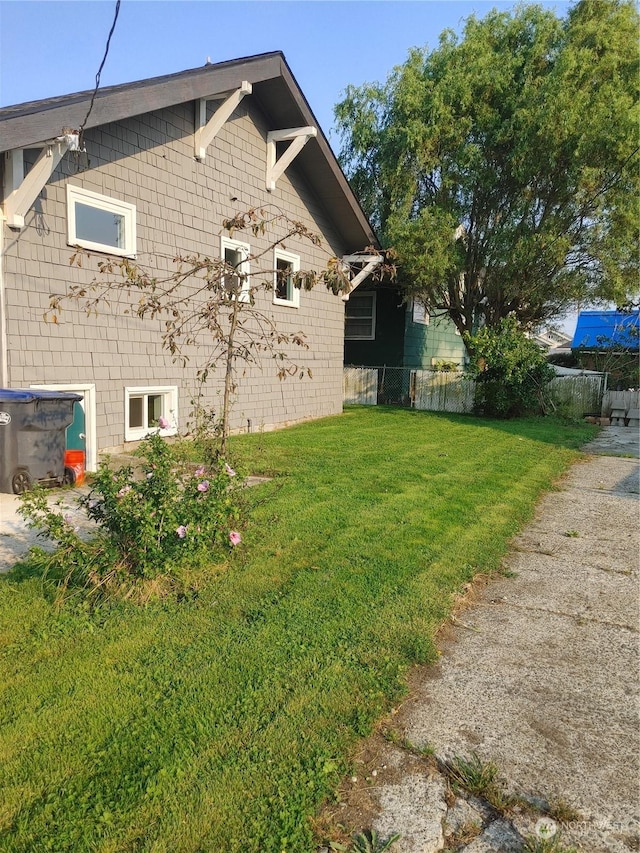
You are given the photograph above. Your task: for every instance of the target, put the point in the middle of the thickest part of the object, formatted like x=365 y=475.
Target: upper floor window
x=360 y=316
x=284 y=290
x=236 y=255
x=420 y=314
x=100 y=223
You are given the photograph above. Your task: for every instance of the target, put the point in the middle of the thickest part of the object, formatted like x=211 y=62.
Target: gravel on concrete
x=538 y=675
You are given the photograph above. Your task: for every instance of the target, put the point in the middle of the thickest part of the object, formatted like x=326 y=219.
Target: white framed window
x=360 y=316
x=143 y=408
x=419 y=313
x=284 y=290
x=236 y=255
x=100 y=223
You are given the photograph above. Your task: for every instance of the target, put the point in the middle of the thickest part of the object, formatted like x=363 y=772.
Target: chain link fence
x=431 y=390
x=441 y=391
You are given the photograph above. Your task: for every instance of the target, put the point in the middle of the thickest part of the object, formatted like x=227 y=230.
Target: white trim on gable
x=206 y=131
x=298 y=136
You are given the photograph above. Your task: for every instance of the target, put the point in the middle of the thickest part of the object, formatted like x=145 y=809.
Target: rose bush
x=150 y=523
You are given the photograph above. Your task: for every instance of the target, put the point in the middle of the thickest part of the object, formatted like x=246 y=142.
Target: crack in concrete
x=578 y=617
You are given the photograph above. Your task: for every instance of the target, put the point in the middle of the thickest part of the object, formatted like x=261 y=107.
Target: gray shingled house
x=165 y=161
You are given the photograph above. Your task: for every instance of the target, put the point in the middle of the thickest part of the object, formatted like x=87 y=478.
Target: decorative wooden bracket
x=299 y=136
x=20 y=190
x=370 y=263
x=206 y=131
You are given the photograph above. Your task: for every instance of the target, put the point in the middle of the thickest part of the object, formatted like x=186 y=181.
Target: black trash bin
x=32 y=437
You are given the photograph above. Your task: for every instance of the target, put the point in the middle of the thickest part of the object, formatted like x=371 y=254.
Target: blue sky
x=55 y=48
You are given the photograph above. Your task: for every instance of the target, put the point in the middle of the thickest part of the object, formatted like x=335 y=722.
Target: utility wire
x=95 y=91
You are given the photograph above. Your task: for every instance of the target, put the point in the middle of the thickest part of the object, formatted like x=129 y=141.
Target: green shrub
x=510 y=370
x=150 y=524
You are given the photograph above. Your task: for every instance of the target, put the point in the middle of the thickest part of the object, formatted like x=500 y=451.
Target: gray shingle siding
x=180 y=204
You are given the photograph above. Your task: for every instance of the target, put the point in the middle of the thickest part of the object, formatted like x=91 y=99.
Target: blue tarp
x=598 y=330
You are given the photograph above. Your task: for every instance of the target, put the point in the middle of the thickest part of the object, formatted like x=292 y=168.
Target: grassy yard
x=218 y=724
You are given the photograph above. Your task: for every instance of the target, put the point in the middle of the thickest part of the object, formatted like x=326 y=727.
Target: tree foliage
x=510 y=370
x=503 y=165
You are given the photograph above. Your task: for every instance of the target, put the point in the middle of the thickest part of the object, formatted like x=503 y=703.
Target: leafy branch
x=208 y=303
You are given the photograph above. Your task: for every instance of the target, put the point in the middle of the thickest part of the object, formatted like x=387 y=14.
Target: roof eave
x=30 y=124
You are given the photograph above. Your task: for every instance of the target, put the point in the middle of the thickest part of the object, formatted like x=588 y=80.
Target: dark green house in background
x=381 y=331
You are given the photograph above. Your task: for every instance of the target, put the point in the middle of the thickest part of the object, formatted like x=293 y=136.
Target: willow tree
x=503 y=165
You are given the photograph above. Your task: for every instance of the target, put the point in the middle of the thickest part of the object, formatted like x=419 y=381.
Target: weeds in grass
x=572 y=534
x=223 y=722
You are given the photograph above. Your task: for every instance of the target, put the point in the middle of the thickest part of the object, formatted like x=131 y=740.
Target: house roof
x=552 y=339
x=275 y=90
x=598 y=330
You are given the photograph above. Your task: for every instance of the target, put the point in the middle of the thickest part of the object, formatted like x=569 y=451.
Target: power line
x=95 y=91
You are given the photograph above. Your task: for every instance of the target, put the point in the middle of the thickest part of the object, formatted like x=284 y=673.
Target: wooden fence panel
x=576 y=396
x=438 y=391
x=620 y=400
x=360 y=385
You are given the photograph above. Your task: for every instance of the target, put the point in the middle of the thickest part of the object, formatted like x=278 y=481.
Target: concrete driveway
x=15 y=536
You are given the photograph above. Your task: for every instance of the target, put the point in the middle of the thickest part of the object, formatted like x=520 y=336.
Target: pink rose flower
x=181 y=531
x=235 y=538
x=203 y=486
x=163 y=423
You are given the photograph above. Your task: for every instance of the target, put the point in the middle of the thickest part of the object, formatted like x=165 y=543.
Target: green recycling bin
x=32 y=437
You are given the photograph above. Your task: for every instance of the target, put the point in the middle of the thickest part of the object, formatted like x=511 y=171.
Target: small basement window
x=284 y=290
x=100 y=223
x=360 y=316
x=236 y=255
x=145 y=406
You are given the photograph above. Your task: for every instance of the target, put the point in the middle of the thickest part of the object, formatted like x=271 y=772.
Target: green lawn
x=218 y=724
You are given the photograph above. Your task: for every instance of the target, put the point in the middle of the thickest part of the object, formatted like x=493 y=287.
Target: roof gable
x=275 y=91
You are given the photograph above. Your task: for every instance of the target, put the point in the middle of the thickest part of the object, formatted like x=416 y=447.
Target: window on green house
x=360 y=316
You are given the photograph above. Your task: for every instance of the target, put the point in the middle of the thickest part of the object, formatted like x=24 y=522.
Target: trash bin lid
x=9 y=396
x=28 y=395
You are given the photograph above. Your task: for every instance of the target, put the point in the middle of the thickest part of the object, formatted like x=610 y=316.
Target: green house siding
x=399 y=342
x=387 y=347
x=426 y=344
